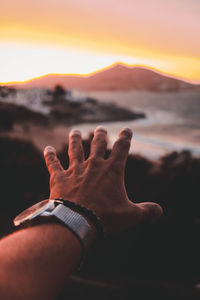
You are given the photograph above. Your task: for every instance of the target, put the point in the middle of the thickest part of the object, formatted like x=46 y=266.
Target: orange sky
x=80 y=36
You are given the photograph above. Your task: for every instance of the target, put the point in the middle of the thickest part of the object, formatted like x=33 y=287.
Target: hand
x=98 y=184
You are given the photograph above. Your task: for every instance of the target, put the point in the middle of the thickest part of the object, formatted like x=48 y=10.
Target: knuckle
x=100 y=137
x=54 y=163
x=50 y=158
x=104 y=143
x=123 y=143
x=94 y=161
x=74 y=165
x=73 y=144
x=116 y=167
x=75 y=137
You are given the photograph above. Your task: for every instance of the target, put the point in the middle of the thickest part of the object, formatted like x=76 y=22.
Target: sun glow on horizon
x=83 y=36
x=24 y=62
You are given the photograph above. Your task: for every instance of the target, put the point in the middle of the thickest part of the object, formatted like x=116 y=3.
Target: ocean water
x=172 y=121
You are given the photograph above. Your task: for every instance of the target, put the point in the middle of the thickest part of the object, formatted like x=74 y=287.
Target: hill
x=116 y=77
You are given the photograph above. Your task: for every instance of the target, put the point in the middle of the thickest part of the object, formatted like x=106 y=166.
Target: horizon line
x=154 y=69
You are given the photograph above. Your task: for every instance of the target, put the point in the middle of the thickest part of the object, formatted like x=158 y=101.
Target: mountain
x=116 y=77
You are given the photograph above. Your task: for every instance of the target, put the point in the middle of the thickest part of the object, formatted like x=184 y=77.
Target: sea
x=172 y=121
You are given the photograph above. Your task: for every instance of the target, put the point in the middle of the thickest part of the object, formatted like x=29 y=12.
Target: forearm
x=35 y=262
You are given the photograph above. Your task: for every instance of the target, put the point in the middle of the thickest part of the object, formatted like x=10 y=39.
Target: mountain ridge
x=116 y=77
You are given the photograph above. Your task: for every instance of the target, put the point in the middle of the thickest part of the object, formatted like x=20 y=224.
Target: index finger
x=52 y=162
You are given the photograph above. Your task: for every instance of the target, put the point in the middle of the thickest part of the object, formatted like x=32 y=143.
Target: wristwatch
x=58 y=211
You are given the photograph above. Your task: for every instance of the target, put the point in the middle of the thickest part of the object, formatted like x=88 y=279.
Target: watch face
x=34 y=211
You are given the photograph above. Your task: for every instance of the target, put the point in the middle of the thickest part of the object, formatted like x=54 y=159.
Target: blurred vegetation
x=11 y=114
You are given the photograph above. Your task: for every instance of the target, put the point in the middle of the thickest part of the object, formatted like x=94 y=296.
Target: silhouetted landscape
x=114 y=78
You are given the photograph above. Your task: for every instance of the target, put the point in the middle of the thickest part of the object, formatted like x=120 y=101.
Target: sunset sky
x=38 y=37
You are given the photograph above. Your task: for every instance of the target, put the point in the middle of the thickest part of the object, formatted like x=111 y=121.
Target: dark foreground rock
x=52 y=108
x=11 y=114
x=89 y=111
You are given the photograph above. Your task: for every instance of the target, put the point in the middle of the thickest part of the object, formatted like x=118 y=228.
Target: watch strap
x=76 y=223
x=90 y=214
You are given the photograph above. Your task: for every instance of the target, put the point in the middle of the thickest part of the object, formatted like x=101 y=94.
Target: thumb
x=150 y=211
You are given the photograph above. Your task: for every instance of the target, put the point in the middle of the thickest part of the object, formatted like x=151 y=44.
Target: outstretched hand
x=98 y=183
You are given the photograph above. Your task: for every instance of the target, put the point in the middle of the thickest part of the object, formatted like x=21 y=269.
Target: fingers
x=121 y=147
x=150 y=211
x=75 y=150
x=99 y=142
x=52 y=162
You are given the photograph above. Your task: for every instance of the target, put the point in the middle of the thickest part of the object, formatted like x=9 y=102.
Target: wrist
x=93 y=220
x=57 y=212
x=89 y=222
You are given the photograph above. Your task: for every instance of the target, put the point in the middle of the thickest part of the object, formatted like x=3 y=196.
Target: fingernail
x=128 y=132
x=48 y=149
x=75 y=132
x=100 y=128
